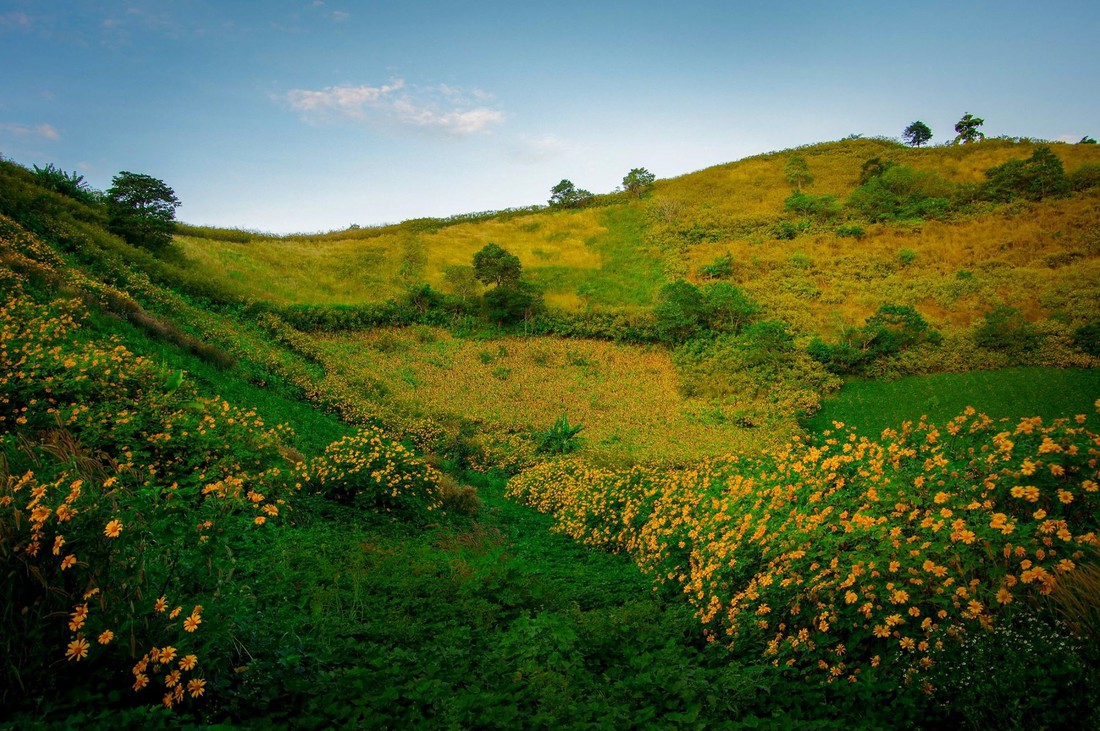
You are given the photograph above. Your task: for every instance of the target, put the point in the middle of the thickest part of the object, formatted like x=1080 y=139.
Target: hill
x=1035 y=256
x=227 y=499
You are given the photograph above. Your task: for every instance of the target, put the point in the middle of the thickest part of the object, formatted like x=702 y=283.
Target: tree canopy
x=917 y=133
x=797 y=172
x=567 y=195
x=967 y=129
x=496 y=266
x=141 y=209
x=638 y=181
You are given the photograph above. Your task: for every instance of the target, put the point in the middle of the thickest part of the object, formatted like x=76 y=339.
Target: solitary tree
x=1086 y=140
x=567 y=195
x=141 y=209
x=967 y=129
x=917 y=133
x=494 y=265
x=638 y=181
x=797 y=172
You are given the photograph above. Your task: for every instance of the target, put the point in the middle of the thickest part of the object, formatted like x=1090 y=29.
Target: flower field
x=123 y=489
x=855 y=560
x=626 y=397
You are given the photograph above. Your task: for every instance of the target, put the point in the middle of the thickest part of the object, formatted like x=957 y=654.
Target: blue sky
x=306 y=115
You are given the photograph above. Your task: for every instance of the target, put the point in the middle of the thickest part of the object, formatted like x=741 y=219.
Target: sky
x=312 y=115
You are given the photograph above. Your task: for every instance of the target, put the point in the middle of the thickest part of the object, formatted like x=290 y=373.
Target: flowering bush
x=852 y=559
x=371 y=468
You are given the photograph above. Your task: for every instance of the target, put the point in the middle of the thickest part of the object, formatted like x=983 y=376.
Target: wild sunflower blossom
x=196 y=687
x=113 y=529
x=78 y=649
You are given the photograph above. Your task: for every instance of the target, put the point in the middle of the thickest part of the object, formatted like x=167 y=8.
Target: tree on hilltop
x=967 y=129
x=567 y=195
x=141 y=209
x=917 y=133
x=638 y=181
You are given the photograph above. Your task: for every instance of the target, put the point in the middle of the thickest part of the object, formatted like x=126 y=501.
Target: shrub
x=371 y=470
x=1040 y=176
x=851 y=232
x=561 y=438
x=720 y=268
x=1087 y=338
x=1085 y=177
x=1005 y=329
x=900 y=193
x=822 y=207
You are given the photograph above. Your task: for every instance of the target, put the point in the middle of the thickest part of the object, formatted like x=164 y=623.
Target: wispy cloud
x=15 y=19
x=539 y=148
x=442 y=108
x=39 y=131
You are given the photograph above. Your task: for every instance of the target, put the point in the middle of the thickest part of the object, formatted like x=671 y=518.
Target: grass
x=871 y=406
x=1040 y=258
x=626 y=397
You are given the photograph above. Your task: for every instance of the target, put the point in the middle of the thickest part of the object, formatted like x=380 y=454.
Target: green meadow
x=732 y=451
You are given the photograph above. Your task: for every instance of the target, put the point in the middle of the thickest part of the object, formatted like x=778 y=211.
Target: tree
x=1086 y=140
x=681 y=312
x=512 y=302
x=727 y=307
x=69 y=184
x=967 y=129
x=638 y=181
x=797 y=172
x=141 y=209
x=462 y=281
x=567 y=195
x=917 y=133
x=493 y=265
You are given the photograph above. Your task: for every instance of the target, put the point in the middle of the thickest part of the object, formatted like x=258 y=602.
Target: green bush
x=901 y=193
x=1040 y=176
x=1085 y=177
x=1005 y=329
x=851 y=232
x=561 y=438
x=720 y=268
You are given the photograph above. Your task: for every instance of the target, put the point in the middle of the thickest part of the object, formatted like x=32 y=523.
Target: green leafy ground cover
x=1013 y=393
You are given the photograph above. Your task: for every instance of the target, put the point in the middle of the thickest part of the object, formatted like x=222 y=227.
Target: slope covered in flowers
x=123 y=488
x=857 y=560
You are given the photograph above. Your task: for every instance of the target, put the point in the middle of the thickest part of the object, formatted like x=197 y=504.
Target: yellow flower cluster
x=881 y=547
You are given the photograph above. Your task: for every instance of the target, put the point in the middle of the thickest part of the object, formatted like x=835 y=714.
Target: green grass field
x=871 y=406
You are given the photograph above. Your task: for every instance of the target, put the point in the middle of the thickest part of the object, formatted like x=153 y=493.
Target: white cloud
x=340 y=16
x=539 y=148
x=346 y=100
x=40 y=131
x=443 y=108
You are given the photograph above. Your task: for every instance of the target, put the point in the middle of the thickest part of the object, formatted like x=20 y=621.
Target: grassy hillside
x=619 y=253
x=216 y=508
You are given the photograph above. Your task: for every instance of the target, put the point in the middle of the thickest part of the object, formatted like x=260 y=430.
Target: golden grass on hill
x=625 y=397
x=369 y=269
x=1040 y=258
